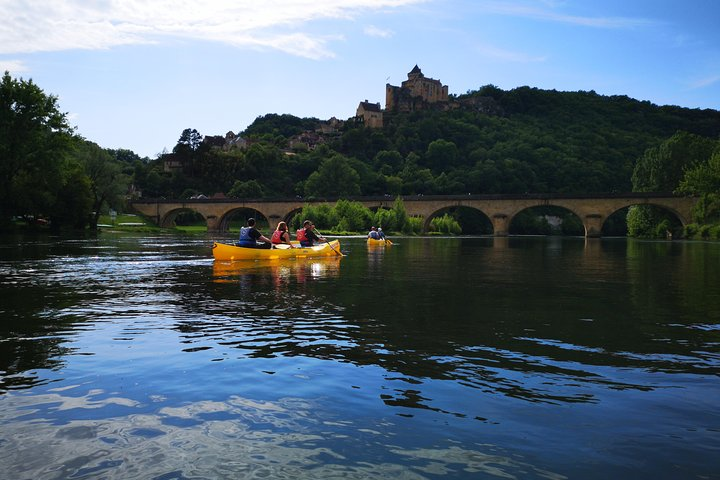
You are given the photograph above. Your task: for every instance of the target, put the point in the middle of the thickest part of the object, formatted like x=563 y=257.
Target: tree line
x=524 y=140
x=48 y=173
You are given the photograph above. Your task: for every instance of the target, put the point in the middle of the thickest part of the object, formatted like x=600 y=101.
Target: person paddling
x=307 y=236
x=251 y=237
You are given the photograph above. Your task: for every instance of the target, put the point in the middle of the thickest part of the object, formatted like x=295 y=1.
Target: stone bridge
x=591 y=209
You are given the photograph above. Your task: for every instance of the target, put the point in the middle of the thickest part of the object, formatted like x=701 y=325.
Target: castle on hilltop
x=418 y=92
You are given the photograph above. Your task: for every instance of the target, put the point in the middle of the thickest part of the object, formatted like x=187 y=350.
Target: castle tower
x=415 y=93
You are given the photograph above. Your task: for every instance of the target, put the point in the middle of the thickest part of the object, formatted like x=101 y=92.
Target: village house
x=370 y=114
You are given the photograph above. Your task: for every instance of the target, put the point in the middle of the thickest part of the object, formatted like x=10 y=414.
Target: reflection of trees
x=673 y=291
x=528 y=319
x=29 y=336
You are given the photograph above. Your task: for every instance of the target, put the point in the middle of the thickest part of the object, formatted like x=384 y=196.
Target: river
x=138 y=357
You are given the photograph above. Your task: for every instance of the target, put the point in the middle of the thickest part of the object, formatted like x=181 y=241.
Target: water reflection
x=280 y=270
x=290 y=438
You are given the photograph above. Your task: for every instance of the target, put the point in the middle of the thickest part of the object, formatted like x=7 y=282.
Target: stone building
x=418 y=92
x=370 y=114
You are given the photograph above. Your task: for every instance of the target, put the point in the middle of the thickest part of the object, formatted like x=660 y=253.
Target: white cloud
x=705 y=82
x=550 y=14
x=507 y=55
x=13 y=66
x=41 y=26
x=373 y=31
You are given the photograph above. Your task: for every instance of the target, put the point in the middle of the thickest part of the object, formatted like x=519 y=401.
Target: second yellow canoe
x=373 y=242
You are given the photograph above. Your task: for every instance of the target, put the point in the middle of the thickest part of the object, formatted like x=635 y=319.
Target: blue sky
x=133 y=74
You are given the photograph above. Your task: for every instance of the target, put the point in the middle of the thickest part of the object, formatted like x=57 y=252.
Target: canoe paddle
x=329 y=244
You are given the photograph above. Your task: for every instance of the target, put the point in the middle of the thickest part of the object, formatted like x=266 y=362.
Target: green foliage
x=661 y=168
x=400 y=216
x=35 y=140
x=571 y=225
x=696 y=231
x=707 y=208
x=350 y=216
x=107 y=182
x=275 y=125
x=334 y=178
x=445 y=224
x=247 y=189
x=322 y=215
x=648 y=221
x=641 y=221
x=74 y=202
x=529 y=222
x=684 y=163
x=703 y=178
x=414 y=225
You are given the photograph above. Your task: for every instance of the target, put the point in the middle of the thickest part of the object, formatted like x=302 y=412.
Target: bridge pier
x=501 y=225
x=213 y=223
x=593 y=225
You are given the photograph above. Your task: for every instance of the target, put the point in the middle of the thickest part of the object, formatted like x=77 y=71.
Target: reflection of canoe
x=299 y=268
x=373 y=242
x=223 y=251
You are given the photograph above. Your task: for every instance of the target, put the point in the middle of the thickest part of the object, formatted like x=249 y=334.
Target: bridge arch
x=546 y=220
x=289 y=216
x=676 y=219
x=239 y=215
x=472 y=220
x=168 y=220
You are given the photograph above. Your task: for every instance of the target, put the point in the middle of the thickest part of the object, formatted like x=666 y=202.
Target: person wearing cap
x=307 y=236
x=251 y=237
x=381 y=234
x=373 y=233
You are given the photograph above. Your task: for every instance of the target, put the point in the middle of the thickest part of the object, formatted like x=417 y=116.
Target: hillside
x=495 y=141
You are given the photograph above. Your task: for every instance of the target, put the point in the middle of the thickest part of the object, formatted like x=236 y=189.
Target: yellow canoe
x=373 y=242
x=225 y=252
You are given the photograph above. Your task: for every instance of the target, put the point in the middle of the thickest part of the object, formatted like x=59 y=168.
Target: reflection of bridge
x=591 y=209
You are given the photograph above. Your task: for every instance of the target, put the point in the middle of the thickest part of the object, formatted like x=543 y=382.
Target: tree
x=187 y=151
x=189 y=141
x=108 y=185
x=34 y=141
x=661 y=168
x=668 y=168
x=248 y=189
x=704 y=180
x=334 y=178
x=441 y=155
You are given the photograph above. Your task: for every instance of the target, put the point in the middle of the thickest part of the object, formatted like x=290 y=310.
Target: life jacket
x=302 y=235
x=245 y=239
x=374 y=234
x=277 y=236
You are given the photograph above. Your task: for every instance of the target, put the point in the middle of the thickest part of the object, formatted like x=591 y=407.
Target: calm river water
x=138 y=357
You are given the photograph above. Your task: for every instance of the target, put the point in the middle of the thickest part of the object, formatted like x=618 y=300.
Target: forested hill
x=497 y=141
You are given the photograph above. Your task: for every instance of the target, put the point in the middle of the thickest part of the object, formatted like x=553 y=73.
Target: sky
x=134 y=74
